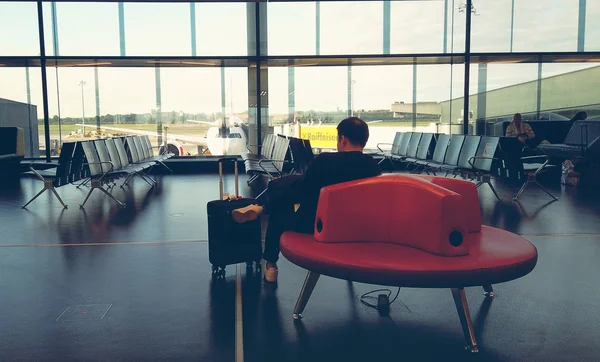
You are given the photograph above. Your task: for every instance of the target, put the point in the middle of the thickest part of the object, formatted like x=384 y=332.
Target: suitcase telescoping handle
x=235 y=167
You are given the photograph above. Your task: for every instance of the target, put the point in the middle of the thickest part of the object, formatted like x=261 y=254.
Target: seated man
x=348 y=164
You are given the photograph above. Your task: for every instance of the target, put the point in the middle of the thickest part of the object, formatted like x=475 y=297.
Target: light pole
x=352 y=97
x=82 y=83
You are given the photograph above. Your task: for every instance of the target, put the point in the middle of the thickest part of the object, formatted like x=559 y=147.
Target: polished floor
x=134 y=283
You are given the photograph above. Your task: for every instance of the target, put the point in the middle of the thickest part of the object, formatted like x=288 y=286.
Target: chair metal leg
x=462 y=307
x=546 y=191
x=97 y=184
x=521 y=190
x=111 y=196
x=307 y=289
x=84 y=182
x=489 y=291
x=35 y=197
x=58 y=197
x=87 y=197
x=167 y=167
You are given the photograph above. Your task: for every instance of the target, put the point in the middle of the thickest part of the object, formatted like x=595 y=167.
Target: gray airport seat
x=266 y=149
x=481 y=164
x=56 y=176
x=532 y=167
x=422 y=150
x=452 y=155
x=394 y=149
x=439 y=153
x=100 y=172
x=272 y=167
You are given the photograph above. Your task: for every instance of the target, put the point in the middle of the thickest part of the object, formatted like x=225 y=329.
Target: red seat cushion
x=495 y=256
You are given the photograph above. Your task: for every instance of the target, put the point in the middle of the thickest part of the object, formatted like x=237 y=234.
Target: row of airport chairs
x=454 y=154
x=277 y=151
x=99 y=163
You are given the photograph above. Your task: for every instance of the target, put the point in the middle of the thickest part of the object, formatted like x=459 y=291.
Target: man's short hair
x=355 y=130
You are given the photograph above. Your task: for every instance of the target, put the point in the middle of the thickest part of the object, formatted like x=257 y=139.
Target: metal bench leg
x=111 y=196
x=521 y=190
x=167 y=167
x=460 y=300
x=546 y=191
x=87 y=197
x=47 y=186
x=489 y=291
x=58 y=197
x=35 y=197
x=307 y=289
x=485 y=179
x=84 y=182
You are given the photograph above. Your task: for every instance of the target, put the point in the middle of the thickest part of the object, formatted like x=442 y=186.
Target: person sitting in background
x=580 y=116
x=522 y=131
x=348 y=164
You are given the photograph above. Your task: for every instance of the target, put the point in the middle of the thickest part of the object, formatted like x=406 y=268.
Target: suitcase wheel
x=218 y=272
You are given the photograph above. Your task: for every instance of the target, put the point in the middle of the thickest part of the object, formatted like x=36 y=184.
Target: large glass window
x=292 y=28
x=381 y=95
x=417 y=27
x=86 y=29
x=569 y=88
x=546 y=26
x=18 y=29
x=322 y=90
x=221 y=29
x=158 y=29
x=592 y=26
x=21 y=105
x=352 y=27
x=491 y=30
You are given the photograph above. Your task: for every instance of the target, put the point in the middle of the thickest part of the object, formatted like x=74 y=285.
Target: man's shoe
x=270 y=273
x=247 y=213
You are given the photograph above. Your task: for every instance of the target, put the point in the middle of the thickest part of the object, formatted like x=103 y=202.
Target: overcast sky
x=221 y=29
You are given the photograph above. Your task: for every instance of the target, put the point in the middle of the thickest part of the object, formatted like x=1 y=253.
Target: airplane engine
x=173 y=147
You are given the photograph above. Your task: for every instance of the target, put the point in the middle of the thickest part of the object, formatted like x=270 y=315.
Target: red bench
x=408 y=231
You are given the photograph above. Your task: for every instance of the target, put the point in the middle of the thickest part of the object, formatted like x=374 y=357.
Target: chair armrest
x=112 y=166
x=384 y=143
x=275 y=167
x=470 y=161
x=534 y=157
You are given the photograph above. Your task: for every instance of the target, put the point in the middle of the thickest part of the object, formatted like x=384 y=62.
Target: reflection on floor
x=107 y=283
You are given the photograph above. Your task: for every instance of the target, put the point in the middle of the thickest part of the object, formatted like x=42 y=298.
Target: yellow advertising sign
x=320 y=136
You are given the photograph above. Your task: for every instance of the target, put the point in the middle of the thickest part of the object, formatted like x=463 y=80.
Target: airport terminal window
x=84 y=28
x=71 y=105
x=144 y=98
x=21 y=106
x=451 y=108
x=352 y=27
x=158 y=29
x=321 y=94
x=491 y=29
x=592 y=26
x=417 y=27
x=292 y=28
x=279 y=103
x=18 y=29
x=543 y=28
x=502 y=90
x=569 y=88
x=221 y=29
x=383 y=97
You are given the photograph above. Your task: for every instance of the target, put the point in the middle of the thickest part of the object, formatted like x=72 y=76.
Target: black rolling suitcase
x=230 y=242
